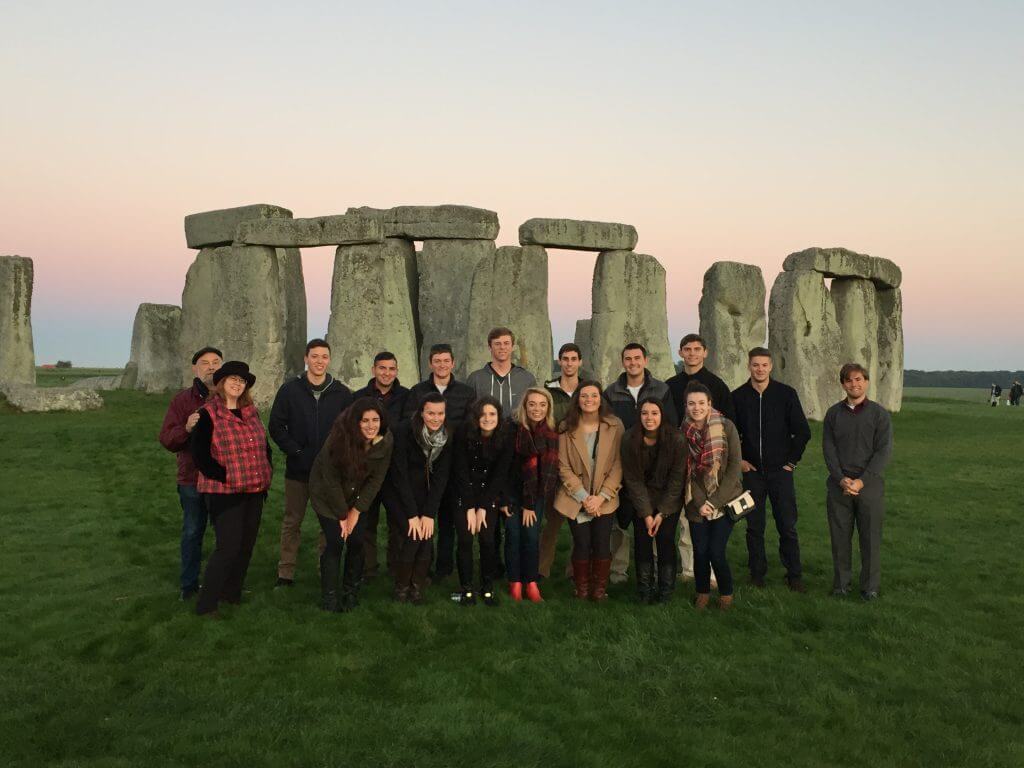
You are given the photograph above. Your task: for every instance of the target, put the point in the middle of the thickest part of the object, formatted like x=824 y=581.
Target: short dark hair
x=384 y=356
x=430 y=397
x=851 y=368
x=314 y=343
x=692 y=337
x=570 y=347
x=497 y=333
x=206 y=351
x=633 y=345
x=440 y=349
x=759 y=352
x=697 y=388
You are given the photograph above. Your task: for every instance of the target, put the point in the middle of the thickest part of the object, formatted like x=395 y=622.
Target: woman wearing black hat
x=232 y=454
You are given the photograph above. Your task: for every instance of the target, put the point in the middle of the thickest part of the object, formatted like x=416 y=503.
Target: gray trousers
x=866 y=512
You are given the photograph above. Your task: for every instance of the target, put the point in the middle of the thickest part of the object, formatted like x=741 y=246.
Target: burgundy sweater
x=173 y=436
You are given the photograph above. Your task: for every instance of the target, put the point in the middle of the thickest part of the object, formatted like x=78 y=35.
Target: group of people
x=488 y=470
x=1013 y=397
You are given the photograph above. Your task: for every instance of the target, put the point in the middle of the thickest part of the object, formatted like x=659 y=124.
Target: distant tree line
x=979 y=379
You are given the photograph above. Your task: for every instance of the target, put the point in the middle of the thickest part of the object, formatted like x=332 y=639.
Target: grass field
x=960 y=394
x=64 y=377
x=102 y=666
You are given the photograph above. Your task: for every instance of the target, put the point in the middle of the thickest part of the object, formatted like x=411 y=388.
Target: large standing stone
x=428 y=222
x=581 y=338
x=445 y=269
x=372 y=310
x=32 y=399
x=510 y=288
x=17 y=357
x=857 y=317
x=347 y=229
x=628 y=305
x=804 y=338
x=732 y=319
x=214 y=228
x=156 y=334
x=889 y=383
x=250 y=302
x=840 y=262
x=578 y=235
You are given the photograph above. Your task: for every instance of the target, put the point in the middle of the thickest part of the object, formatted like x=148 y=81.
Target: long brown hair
x=634 y=440
x=574 y=414
x=346 y=441
x=217 y=390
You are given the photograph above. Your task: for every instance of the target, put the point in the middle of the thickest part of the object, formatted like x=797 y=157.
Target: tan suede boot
x=724 y=602
x=701 y=601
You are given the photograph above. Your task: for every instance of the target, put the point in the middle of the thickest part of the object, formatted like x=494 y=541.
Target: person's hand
x=845 y=483
x=349 y=523
x=529 y=517
x=506 y=511
x=652 y=530
x=788 y=467
x=481 y=519
x=592 y=504
x=746 y=466
x=649 y=524
x=191 y=421
x=471 y=521
x=706 y=510
x=414 y=529
x=856 y=486
x=426 y=528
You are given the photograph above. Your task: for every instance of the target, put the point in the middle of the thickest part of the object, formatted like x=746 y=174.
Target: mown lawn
x=100 y=665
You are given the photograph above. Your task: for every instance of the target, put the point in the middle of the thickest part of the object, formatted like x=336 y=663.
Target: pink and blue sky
x=739 y=131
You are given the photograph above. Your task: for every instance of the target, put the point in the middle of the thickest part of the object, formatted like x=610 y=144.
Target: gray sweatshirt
x=857 y=441
x=507 y=390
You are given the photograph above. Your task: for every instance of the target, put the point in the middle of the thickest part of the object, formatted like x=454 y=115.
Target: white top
x=634 y=391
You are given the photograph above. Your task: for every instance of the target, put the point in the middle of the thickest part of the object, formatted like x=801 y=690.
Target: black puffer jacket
x=457 y=397
x=482 y=466
x=411 y=487
x=300 y=422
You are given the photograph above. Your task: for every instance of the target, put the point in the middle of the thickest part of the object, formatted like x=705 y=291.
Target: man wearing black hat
x=300 y=421
x=181 y=418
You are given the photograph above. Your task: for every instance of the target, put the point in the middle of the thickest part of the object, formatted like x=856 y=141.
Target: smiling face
x=441 y=365
x=650 y=417
x=488 y=419
x=234 y=386
x=369 y=424
x=590 y=399
x=856 y=385
x=697 y=406
x=317 y=360
x=569 y=362
x=760 y=368
x=433 y=415
x=501 y=349
x=385 y=372
x=634 y=361
x=693 y=354
x=203 y=368
x=536 y=408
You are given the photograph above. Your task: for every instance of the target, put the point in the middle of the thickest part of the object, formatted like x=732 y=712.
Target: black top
x=656 y=476
x=773 y=428
x=201 y=440
x=482 y=466
x=410 y=490
x=393 y=402
x=721 y=397
x=457 y=397
x=302 y=417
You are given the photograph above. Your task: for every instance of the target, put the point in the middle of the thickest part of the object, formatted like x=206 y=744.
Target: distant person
x=301 y=418
x=500 y=378
x=346 y=477
x=182 y=417
x=233 y=459
x=773 y=432
x=1015 y=392
x=389 y=392
x=857 y=443
x=993 y=394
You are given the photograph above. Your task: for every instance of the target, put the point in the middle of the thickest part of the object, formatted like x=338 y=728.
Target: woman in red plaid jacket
x=233 y=460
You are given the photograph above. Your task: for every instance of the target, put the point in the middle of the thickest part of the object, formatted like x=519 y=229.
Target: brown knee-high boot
x=581 y=577
x=599 y=579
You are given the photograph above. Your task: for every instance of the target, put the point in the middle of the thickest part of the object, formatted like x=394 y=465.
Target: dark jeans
x=193 y=528
x=335 y=546
x=522 y=545
x=710 y=538
x=778 y=488
x=488 y=550
x=446 y=530
x=370 y=523
x=592 y=540
x=236 y=521
x=664 y=539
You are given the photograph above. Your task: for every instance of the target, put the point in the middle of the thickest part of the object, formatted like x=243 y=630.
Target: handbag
x=739 y=507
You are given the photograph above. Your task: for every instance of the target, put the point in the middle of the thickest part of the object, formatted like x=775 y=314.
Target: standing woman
x=232 y=456
x=483 y=457
x=654 y=473
x=421 y=462
x=590 y=470
x=344 y=481
x=713 y=479
x=535 y=478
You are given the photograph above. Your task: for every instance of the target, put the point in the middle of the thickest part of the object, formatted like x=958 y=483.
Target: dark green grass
x=65 y=377
x=101 y=666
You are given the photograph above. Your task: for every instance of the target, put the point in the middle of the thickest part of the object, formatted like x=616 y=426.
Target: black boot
x=418 y=587
x=330 y=571
x=645 y=583
x=403 y=578
x=666 y=581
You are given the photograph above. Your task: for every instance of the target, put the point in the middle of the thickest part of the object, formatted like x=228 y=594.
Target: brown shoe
x=599 y=579
x=701 y=601
x=581 y=577
x=724 y=602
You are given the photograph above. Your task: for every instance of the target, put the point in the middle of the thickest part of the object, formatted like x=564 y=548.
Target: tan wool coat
x=574 y=468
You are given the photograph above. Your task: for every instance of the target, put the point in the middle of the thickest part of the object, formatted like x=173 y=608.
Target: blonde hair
x=522 y=418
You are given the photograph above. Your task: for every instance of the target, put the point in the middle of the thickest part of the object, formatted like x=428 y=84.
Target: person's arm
x=799 y=430
x=173 y=435
x=829 y=448
x=440 y=478
x=278 y=425
x=398 y=475
x=326 y=481
x=633 y=480
x=670 y=416
x=882 y=445
x=613 y=478
x=732 y=478
x=672 y=499
x=200 y=443
x=723 y=401
x=570 y=481
x=529 y=470
x=374 y=479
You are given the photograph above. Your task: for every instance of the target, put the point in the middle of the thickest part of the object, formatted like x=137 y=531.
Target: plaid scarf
x=538 y=455
x=706 y=445
x=432 y=443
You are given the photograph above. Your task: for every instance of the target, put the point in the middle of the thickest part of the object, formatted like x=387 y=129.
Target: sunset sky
x=722 y=131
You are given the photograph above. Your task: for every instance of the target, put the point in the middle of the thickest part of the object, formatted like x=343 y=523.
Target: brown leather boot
x=403 y=576
x=600 y=569
x=420 y=581
x=724 y=602
x=701 y=601
x=581 y=577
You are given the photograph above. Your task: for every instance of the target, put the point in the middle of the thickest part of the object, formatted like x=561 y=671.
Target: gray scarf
x=433 y=443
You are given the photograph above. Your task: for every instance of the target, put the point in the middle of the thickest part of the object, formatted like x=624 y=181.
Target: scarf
x=432 y=443
x=706 y=450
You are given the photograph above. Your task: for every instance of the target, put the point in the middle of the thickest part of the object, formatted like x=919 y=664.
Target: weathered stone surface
x=857 y=318
x=510 y=288
x=803 y=336
x=732 y=318
x=100 y=383
x=428 y=222
x=628 y=305
x=445 y=269
x=155 y=351
x=31 y=399
x=250 y=302
x=839 y=262
x=888 y=389
x=582 y=340
x=578 y=235
x=373 y=309
x=130 y=376
x=17 y=357
x=214 y=228
x=347 y=229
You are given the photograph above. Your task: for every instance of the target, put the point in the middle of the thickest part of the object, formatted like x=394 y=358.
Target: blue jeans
x=710 y=538
x=522 y=546
x=193 y=526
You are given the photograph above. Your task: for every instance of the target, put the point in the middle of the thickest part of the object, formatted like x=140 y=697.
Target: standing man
x=857 y=443
x=773 y=432
x=457 y=397
x=300 y=421
x=182 y=417
x=500 y=379
x=993 y=394
x=624 y=395
x=694 y=351
x=389 y=392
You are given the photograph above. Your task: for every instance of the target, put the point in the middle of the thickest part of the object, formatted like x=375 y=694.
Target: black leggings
x=236 y=520
x=488 y=550
x=592 y=540
x=335 y=545
x=664 y=539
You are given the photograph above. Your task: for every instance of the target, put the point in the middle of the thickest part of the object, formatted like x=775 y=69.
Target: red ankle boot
x=515 y=590
x=533 y=593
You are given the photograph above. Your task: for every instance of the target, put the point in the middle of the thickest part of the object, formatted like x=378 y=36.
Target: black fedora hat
x=234 y=368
